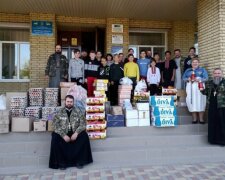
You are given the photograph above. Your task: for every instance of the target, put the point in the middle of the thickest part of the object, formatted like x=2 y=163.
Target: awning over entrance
x=132 y=9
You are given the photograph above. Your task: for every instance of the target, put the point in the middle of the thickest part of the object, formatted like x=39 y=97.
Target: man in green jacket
x=57 y=68
x=70 y=145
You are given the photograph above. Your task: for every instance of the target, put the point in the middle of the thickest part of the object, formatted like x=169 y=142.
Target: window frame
x=14 y=26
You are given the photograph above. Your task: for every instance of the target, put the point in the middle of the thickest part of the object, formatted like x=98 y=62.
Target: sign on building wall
x=116 y=49
x=117 y=28
x=42 y=28
x=117 y=39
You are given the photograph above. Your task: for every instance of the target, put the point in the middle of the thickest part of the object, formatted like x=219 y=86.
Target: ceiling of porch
x=133 y=9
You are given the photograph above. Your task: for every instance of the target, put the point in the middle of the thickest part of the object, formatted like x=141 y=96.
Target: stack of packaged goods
x=22 y=124
x=101 y=84
x=124 y=93
x=116 y=117
x=36 y=97
x=34 y=112
x=18 y=106
x=170 y=91
x=163 y=111
x=4 y=121
x=141 y=97
x=143 y=114
x=51 y=97
x=95 y=116
x=131 y=116
x=64 y=88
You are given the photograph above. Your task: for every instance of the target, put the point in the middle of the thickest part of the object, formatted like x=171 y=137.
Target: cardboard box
x=21 y=124
x=95 y=116
x=161 y=101
x=97 y=134
x=124 y=96
x=4 y=128
x=164 y=121
x=131 y=113
x=67 y=84
x=40 y=126
x=63 y=92
x=115 y=120
x=142 y=106
x=96 y=125
x=95 y=101
x=102 y=81
x=98 y=88
x=50 y=125
x=116 y=110
x=132 y=122
x=12 y=94
x=4 y=112
x=142 y=94
x=100 y=94
x=163 y=111
x=95 y=109
x=144 y=122
x=4 y=119
x=166 y=91
x=143 y=114
x=125 y=87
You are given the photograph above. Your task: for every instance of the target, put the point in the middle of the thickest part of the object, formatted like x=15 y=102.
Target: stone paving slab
x=210 y=171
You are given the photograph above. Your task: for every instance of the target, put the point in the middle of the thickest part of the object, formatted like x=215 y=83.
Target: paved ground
x=179 y=172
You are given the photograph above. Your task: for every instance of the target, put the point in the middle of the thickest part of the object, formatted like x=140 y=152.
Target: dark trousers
x=113 y=91
x=153 y=88
x=134 y=80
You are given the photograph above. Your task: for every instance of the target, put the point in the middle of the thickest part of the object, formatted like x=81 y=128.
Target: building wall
x=211 y=32
x=180 y=35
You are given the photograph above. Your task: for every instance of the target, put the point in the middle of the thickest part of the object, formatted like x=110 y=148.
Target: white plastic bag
x=141 y=86
x=2 y=102
x=126 y=81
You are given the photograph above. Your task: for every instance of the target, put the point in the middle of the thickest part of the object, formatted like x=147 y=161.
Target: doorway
x=87 y=38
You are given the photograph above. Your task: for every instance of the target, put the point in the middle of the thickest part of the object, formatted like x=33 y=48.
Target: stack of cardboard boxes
x=51 y=97
x=36 y=97
x=4 y=121
x=163 y=111
x=116 y=117
x=18 y=105
x=95 y=116
x=101 y=84
x=143 y=114
x=131 y=117
x=124 y=92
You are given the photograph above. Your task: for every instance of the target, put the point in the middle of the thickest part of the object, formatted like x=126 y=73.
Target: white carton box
x=132 y=122
x=4 y=128
x=142 y=106
x=144 y=122
x=131 y=114
x=40 y=126
x=143 y=114
x=22 y=124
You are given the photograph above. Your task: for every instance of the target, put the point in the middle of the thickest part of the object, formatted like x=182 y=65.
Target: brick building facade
x=180 y=34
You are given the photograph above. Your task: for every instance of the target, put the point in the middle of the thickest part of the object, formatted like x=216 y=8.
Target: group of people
x=70 y=145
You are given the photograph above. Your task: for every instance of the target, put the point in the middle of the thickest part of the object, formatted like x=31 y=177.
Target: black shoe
x=79 y=166
x=201 y=122
x=194 y=122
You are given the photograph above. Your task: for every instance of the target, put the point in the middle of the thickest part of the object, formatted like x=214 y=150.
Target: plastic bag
x=80 y=96
x=126 y=81
x=141 y=86
x=2 y=102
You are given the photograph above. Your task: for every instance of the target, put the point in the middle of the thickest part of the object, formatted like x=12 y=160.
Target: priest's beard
x=217 y=80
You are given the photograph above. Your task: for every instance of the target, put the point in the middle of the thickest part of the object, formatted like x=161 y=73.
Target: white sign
x=117 y=39
x=117 y=28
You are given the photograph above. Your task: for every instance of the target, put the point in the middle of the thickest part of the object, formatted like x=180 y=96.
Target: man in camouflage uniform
x=215 y=91
x=57 y=68
x=70 y=144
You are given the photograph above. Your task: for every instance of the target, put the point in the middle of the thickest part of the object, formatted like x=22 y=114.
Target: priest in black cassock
x=215 y=91
x=70 y=145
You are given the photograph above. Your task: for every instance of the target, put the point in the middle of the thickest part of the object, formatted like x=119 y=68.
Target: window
x=143 y=40
x=14 y=54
